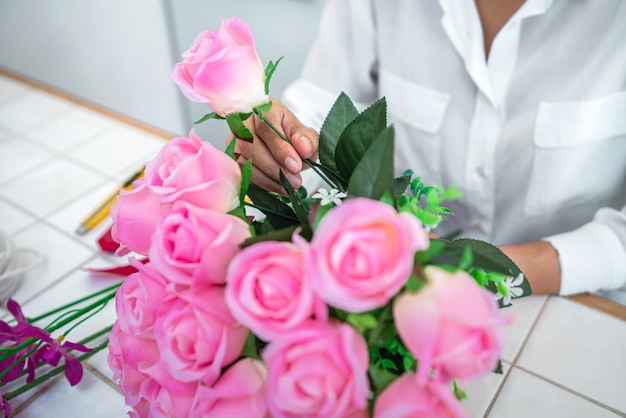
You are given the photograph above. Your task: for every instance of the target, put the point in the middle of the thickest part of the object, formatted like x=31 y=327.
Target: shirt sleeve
x=593 y=257
x=342 y=58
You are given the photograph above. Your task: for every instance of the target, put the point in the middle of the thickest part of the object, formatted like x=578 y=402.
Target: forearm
x=539 y=262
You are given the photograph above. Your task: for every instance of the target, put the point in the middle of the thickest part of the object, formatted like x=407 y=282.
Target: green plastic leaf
x=386 y=364
x=424 y=256
x=362 y=321
x=373 y=175
x=208 y=116
x=269 y=72
x=246 y=174
x=230 y=149
x=298 y=206
x=341 y=114
x=380 y=378
x=358 y=136
x=235 y=123
x=251 y=348
x=284 y=234
x=278 y=213
x=414 y=284
x=263 y=108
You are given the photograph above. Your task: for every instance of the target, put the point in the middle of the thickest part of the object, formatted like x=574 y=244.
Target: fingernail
x=291 y=164
x=294 y=180
x=307 y=144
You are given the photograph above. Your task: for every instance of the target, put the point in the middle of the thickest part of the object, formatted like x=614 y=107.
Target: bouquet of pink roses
x=334 y=305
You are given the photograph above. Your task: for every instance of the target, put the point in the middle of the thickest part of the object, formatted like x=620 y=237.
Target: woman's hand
x=270 y=153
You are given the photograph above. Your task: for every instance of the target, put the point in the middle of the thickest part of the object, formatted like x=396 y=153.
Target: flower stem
x=311 y=164
x=265 y=210
x=76 y=302
x=52 y=373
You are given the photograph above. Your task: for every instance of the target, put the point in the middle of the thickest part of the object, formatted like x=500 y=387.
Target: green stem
x=265 y=210
x=311 y=164
x=76 y=302
x=52 y=373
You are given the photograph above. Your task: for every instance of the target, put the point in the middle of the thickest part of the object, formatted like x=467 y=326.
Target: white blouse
x=535 y=136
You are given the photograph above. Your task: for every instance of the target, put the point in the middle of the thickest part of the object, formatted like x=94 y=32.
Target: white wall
x=119 y=53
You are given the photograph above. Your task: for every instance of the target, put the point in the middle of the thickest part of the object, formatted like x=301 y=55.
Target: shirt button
x=479 y=228
x=480 y=171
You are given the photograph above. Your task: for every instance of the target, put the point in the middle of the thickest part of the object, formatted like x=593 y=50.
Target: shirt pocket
x=417 y=112
x=579 y=155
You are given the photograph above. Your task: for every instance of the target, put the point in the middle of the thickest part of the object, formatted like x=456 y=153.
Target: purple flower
x=5 y=407
x=13 y=336
x=51 y=353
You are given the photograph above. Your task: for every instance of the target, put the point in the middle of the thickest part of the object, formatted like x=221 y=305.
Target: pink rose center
x=274 y=294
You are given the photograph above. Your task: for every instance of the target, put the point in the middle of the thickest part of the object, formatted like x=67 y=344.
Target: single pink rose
x=267 y=290
x=317 y=370
x=129 y=357
x=406 y=397
x=135 y=215
x=452 y=325
x=223 y=70
x=166 y=396
x=139 y=299
x=239 y=392
x=191 y=170
x=198 y=336
x=193 y=246
x=362 y=254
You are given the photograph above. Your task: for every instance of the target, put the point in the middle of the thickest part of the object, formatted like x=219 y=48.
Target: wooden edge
x=86 y=104
x=601 y=304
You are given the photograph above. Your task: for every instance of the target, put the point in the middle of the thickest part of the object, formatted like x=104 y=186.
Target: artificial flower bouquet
x=247 y=303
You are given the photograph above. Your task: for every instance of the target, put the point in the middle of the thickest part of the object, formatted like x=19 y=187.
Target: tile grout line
x=573 y=392
x=513 y=363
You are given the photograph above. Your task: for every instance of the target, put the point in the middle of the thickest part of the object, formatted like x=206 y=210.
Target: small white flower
x=511 y=284
x=326 y=197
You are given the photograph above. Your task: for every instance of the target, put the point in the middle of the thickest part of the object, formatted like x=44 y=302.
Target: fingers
x=270 y=153
x=265 y=169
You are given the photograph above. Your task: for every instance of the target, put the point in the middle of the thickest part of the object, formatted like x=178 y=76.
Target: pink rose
x=198 y=336
x=166 y=396
x=267 y=290
x=239 y=392
x=129 y=357
x=139 y=298
x=318 y=370
x=451 y=325
x=135 y=215
x=362 y=254
x=193 y=246
x=223 y=70
x=190 y=170
x=406 y=397
x=187 y=170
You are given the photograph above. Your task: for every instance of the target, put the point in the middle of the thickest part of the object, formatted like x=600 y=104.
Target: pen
x=102 y=211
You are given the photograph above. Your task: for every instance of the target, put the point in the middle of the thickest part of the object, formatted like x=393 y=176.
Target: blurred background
x=119 y=54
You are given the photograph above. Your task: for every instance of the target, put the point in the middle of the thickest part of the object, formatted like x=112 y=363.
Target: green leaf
x=269 y=71
x=246 y=174
x=341 y=114
x=373 y=175
x=386 y=364
x=424 y=256
x=298 y=206
x=263 y=108
x=362 y=321
x=401 y=185
x=208 y=116
x=498 y=369
x=235 y=123
x=358 y=136
x=250 y=348
x=414 y=284
x=486 y=256
x=279 y=214
x=380 y=378
x=284 y=234
x=230 y=149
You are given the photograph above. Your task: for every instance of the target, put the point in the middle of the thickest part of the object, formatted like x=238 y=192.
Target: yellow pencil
x=102 y=211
